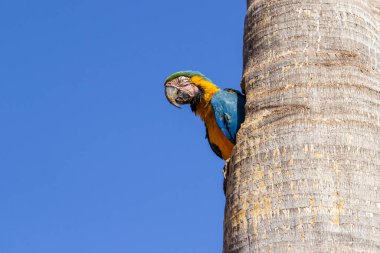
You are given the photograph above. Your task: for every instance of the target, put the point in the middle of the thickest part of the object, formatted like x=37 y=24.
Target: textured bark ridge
x=305 y=173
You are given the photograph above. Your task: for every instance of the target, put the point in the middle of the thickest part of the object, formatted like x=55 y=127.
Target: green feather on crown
x=187 y=73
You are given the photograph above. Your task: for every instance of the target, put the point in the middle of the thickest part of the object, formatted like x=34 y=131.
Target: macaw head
x=183 y=88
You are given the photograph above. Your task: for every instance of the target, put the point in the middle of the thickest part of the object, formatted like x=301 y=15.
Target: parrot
x=221 y=110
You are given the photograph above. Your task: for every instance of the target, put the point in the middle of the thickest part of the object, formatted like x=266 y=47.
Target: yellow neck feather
x=204 y=108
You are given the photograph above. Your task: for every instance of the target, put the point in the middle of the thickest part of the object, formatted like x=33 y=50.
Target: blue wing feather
x=228 y=106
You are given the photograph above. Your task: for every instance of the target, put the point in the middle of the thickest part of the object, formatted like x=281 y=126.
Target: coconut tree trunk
x=305 y=173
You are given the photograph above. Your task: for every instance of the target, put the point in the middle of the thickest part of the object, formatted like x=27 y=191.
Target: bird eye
x=185 y=96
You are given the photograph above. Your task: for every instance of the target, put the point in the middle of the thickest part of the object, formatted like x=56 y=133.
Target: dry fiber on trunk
x=305 y=173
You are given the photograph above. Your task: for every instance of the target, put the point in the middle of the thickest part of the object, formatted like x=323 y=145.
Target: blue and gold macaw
x=221 y=110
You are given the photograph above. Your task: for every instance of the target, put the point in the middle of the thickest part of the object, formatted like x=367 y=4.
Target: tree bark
x=305 y=172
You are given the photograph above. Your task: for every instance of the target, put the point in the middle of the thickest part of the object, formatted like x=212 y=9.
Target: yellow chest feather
x=204 y=110
x=215 y=135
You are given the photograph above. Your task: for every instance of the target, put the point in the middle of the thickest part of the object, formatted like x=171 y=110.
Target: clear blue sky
x=92 y=156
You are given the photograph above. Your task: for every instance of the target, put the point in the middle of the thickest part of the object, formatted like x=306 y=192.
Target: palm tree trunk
x=305 y=173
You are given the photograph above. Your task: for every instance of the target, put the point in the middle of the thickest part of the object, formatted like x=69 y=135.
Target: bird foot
x=225 y=174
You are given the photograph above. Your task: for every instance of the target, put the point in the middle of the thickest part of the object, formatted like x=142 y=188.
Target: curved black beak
x=171 y=95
